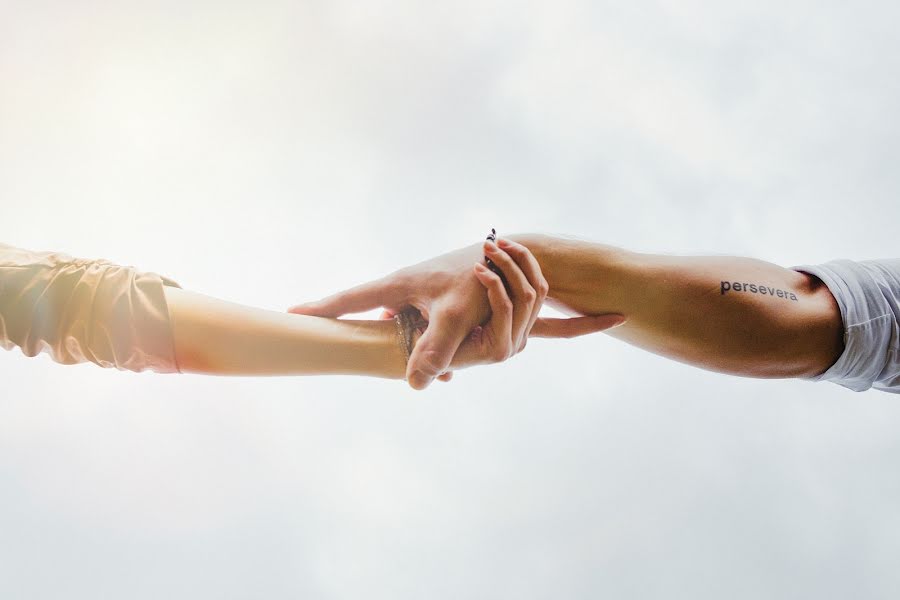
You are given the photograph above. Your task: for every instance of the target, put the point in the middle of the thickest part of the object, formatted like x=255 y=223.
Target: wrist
x=373 y=348
x=585 y=277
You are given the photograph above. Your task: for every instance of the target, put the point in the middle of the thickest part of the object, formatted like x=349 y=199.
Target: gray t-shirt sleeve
x=868 y=294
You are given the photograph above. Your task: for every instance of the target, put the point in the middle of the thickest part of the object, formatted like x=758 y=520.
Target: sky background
x=273 y=152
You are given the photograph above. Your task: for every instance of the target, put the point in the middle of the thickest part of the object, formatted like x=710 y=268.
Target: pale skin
x=674 y=306
x=218 y=337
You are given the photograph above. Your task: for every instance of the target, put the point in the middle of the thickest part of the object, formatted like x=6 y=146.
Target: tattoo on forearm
x=736 y=286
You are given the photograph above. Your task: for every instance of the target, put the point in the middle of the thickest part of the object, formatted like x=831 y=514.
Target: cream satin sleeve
x=80 y=310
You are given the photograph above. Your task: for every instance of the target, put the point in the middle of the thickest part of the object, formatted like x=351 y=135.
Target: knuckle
x=529 y=295
x=543 y=288
x=400 y=278
x=500 y=353
x=430 y=362
x=454 y=313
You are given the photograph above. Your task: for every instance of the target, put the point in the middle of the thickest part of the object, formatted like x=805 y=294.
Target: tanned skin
x=698 y=310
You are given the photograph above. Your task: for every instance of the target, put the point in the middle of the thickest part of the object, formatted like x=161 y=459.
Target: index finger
x=374 y=294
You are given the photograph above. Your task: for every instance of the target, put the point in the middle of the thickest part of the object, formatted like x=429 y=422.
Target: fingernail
x=503 y=243
x=480 y=267
x=419 y=380
x=490 y=246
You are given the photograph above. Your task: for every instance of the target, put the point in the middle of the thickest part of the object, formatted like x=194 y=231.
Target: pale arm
x=678 y=307
x=218 y=337
x=92 y=310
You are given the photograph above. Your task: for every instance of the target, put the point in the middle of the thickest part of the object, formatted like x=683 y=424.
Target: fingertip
x=484 y=275
x=612 y=320
x=418 y=380
x=620 y=321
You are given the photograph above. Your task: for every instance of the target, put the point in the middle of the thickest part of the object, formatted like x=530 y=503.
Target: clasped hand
x=473 y=317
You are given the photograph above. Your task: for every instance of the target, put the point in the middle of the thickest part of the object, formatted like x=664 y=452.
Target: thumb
x=432 y=353
x=575 y=326
x=358 y=299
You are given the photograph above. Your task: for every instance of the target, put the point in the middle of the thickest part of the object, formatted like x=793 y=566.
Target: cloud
x=271 y=153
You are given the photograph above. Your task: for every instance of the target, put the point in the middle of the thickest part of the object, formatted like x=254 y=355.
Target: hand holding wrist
x=576 y=269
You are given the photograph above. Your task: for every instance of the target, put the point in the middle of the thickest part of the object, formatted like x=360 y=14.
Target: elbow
x=820 y=331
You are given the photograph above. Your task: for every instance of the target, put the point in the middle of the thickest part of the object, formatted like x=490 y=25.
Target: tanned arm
x=728 y=314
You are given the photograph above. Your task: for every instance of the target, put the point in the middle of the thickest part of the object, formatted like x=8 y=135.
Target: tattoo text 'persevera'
x=736 y=286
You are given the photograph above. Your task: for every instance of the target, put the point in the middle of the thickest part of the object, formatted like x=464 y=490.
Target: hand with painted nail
x=453 y=297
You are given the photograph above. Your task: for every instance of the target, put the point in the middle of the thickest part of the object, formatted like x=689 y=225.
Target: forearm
x=213 y=336
x=679 y=307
